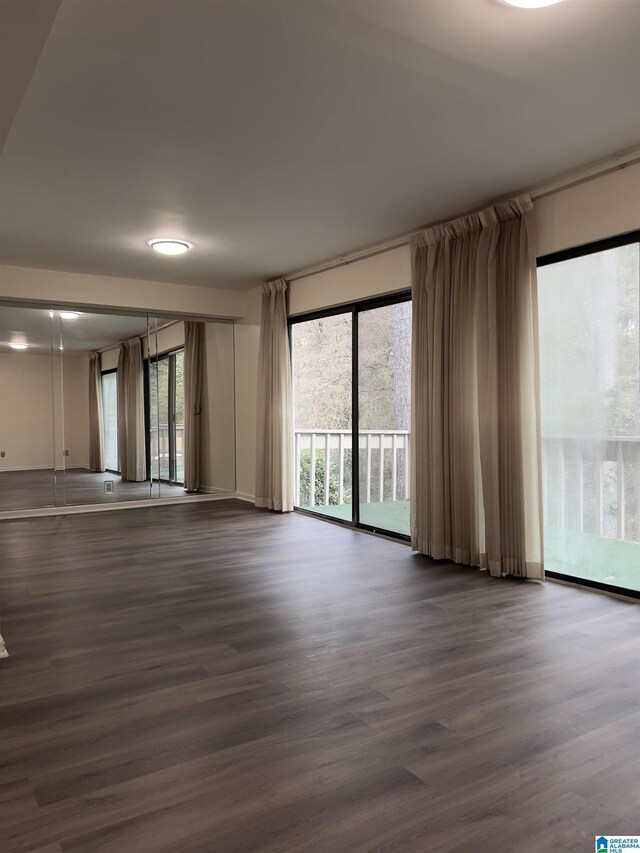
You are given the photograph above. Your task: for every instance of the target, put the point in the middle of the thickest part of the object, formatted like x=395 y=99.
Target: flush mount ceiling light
x=169 y=246
x=532 y=4
x=19 y=346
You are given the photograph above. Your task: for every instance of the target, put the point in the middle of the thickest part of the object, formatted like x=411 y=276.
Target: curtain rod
x=570 y=179
x=119 y=343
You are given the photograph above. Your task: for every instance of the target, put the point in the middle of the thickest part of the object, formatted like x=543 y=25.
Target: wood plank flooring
x=210 y=678
x=73 y=487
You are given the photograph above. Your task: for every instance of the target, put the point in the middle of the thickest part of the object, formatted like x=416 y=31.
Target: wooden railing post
x=298 y=465
x=340 y=469
x=368 y=468
x=620 y=494
x=394 y=467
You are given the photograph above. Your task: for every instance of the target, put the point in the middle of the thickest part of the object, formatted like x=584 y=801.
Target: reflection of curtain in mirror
x=131 y=435
x=194 y=344
x=96 y=421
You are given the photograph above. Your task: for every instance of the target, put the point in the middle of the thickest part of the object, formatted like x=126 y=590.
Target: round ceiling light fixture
x=15 y=345
x=532 y=4
x=169 y=246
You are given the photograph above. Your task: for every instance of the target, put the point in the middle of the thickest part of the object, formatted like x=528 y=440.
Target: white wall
x=76 y=411
x=38 y=394
x=599 y=208
x=381 y=274
x=165 y=339
x=94 y=291
x=109 y=358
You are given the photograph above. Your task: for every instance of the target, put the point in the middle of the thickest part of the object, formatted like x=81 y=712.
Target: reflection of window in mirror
x=73 y=368
x=109 y=391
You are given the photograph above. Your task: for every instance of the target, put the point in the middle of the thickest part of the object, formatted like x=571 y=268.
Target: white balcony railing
x=592 y=484
x=384 y=466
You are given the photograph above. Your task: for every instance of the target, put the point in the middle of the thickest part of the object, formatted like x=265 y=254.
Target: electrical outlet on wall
x=66 y=453
x=108 y=487
x=2 y=454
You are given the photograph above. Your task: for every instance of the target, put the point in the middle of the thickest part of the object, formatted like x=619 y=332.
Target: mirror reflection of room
x=111 y=408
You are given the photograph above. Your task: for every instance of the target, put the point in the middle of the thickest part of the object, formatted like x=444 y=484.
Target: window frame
x=169 y=354
x=106 y=373
x=573 y=252
x=354 y=308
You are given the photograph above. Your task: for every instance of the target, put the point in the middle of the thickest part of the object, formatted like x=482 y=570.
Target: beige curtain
x=476 y=484
x=274 y=440
x=131 y=433
x=96 y=421
x=194 y=350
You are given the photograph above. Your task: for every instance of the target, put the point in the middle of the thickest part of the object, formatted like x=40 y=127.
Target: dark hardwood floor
x=73 y=487
x=209 y=678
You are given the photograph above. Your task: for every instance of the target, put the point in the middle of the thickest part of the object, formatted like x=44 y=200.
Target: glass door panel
x=322 y=381
x=384 y=407
x=158 y=418
x=110 y=420
x=178 y=416
x=589 y=319
x=166 y=417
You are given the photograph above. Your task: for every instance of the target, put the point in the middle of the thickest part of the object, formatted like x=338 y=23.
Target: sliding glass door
x=589 y=316
x=166 y=417
x=365 y=347
x=322 y=369
x=384 y=411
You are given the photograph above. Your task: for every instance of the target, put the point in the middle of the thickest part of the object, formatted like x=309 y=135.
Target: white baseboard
x=48 y=468
x=242 y=496
x=3 y=649
x=29 y=468
x=110 y=507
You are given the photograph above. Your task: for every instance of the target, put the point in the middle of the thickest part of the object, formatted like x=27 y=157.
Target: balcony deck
x=389 y=515
x=611 y=561
x=591 y=485
x=591 y=557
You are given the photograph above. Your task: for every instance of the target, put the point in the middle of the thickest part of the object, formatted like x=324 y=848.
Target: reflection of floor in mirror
x=73 y=487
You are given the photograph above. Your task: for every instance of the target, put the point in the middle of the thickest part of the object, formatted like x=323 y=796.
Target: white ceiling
x=277 y=133
x=87 y=333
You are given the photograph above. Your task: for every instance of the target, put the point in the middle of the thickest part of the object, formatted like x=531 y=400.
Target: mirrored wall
x=102 y=408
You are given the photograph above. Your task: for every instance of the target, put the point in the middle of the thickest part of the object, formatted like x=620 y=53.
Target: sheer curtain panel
x=274 y=440
x=476 y=484
x=131 y=432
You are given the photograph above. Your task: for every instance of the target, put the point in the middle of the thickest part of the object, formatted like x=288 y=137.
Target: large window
x=166 y=417
x=589 y=316
x=110 y=419
x=366 y=347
